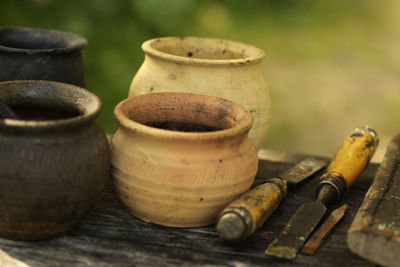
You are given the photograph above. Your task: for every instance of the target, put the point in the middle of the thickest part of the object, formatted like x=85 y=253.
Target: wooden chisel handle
x=249 y=212
x=349 y=161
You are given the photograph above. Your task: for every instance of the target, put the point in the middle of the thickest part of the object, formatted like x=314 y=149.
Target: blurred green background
x=330 y=65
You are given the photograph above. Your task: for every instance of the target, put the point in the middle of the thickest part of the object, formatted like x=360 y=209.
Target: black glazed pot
x=40 y=54
x=54 y=160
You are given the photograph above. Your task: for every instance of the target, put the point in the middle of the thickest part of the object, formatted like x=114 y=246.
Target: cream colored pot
x=214 y=67
x=178 y=159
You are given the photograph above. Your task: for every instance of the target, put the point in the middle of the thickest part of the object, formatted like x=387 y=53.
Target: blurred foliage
x=311 y=47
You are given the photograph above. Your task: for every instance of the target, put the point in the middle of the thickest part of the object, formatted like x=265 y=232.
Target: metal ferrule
x=336 y=181
x=370 y=131
x=278 y=182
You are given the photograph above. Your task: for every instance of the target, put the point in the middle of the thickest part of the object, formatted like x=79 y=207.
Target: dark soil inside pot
x=182 y=127
x=43 y=113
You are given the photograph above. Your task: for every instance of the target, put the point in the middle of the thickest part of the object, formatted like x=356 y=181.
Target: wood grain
x=110 y=236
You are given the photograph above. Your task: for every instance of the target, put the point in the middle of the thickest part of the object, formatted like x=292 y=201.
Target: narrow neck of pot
x=152 y=145
x=46 y=127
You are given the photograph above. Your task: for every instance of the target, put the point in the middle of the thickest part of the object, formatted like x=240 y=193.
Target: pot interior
x=184 y=112
x=203 y=48
x=48 y=101
x=182 y=126
x=38 y=39
x=38 y=112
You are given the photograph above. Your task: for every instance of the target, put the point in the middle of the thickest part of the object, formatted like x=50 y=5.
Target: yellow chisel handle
x=249 y=212
x=349 y=161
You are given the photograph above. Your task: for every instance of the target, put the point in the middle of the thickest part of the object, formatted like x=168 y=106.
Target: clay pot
x=53 y=164
x=39 y=54
x=221 y=68
x=178 y=159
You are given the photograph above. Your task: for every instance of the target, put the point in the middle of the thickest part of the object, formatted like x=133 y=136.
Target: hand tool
x=346 y=166
x=322 y=233
x=249 y=212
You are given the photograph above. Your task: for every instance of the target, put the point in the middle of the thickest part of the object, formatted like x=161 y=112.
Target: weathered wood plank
x=375 y=231
x=109 y=236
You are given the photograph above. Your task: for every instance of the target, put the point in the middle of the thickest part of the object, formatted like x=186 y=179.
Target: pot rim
x=87 y=113
x=256 y=54
x=73 y=41
x=137 y=127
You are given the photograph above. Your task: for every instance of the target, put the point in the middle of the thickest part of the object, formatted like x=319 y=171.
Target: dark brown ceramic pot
x=39 y=54
x=54 y=164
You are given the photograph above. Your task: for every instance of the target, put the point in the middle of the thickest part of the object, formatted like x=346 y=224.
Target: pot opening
x=38 y=39
x=184 y=112
x=182 y=127
x=44 y=105
x=204 y=48
x=30 y=41
x=182 y=118
x=202 y=53
x=44 y=113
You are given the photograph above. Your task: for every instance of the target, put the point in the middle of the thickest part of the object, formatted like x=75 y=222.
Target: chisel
x=322 y=233
x=349 y=161
x=249 y=212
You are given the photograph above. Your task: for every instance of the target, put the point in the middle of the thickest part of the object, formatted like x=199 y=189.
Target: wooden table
x=110 y=236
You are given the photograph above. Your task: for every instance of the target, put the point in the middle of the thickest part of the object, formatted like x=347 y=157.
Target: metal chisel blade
x=297 y=230
x=302 y=170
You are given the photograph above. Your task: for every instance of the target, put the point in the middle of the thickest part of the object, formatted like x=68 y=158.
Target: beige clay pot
x=176 y=178
x=221 y=68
